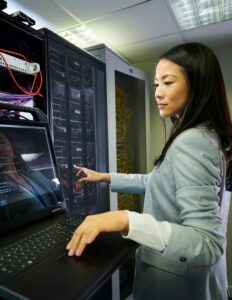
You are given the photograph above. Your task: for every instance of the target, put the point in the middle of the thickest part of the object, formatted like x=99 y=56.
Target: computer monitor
x=29 y=181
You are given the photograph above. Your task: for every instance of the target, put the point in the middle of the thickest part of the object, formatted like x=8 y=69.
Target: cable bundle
x=15 y=99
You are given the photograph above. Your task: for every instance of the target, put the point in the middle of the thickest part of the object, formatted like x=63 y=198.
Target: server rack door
x=78 y=118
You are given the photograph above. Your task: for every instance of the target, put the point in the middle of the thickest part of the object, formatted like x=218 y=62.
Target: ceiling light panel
x=81 y=36
x=195 y=13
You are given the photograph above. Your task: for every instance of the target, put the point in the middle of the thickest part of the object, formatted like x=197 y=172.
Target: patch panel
x=18 y=64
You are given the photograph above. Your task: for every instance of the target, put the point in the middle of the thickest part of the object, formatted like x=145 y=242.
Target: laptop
x=35 y=225
x=30 y=190
x=29 y=182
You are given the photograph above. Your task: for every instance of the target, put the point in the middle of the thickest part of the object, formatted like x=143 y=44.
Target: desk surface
x=75 y=277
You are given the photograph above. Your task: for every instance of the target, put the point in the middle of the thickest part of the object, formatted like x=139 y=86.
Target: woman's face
x=171 y=88
x=6 y=150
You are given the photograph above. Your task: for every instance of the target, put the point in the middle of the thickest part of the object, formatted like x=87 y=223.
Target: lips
x=161 y=105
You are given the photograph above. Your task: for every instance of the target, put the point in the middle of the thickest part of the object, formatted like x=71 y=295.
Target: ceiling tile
x=213 y=35
x=92 y=9
x=148 y=20
x=150 y=49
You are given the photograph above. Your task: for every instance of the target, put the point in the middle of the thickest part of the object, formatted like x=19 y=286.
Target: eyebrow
x=167 y=75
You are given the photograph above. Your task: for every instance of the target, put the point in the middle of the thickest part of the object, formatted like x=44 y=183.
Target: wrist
x=126 y=222
x=106 y=177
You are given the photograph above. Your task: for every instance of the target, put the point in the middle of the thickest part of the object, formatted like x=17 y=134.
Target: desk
x=78 y=277
x=97 y=266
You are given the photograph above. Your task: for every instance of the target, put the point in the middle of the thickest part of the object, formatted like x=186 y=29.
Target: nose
x=158 y=93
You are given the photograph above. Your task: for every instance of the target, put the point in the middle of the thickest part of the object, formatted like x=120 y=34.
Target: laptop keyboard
x=19 y=255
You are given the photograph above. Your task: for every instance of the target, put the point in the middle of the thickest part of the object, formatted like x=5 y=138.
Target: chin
x=164 y=115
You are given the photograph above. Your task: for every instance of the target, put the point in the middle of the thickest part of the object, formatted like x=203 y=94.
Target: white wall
x=157 y=131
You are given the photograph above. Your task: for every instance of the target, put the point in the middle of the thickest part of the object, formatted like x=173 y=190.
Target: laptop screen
x=29 y=181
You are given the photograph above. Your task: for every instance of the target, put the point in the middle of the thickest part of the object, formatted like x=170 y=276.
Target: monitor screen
x=29 y=181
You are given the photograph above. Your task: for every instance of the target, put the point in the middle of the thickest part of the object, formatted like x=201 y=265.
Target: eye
x=155 y=85
x=168 y=82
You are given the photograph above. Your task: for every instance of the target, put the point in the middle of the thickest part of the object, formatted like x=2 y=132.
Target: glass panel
x=131 y=132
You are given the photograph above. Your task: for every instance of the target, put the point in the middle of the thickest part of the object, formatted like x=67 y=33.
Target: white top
x=146 y=230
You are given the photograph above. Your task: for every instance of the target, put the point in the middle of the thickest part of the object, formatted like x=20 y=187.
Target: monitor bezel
x=59 y=207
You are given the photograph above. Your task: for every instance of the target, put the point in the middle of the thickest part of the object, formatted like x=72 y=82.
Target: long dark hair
x=19 y=163
x=207 y=97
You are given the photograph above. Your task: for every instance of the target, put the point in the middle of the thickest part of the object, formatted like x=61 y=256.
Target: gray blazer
x=187 y=190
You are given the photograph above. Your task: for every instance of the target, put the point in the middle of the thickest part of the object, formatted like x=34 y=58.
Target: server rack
x=76 y=106
x=73 y=97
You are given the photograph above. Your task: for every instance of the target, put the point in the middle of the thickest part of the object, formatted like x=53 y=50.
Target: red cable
x=15 y=53
x=25 y=91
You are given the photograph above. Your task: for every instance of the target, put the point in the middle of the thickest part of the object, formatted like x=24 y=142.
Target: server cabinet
x=77 y=111
x=128 y=127
x=128 y=119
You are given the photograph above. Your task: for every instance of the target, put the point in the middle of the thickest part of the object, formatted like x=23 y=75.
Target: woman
x=182 y=230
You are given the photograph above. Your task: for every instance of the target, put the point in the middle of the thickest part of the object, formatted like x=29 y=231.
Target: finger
x=92 y=237
x=84 y=179
x=76 y=167
x=86 y=239
x=82 y=172
x=80 y=169
x=71 y=247
x=88 y=236
x=81 y=247
x=74 y=242
x=76 y=237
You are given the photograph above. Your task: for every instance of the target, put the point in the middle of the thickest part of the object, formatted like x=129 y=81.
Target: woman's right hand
x=87 y=175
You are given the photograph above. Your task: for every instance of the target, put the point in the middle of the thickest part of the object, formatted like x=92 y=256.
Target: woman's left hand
x=87 y=232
